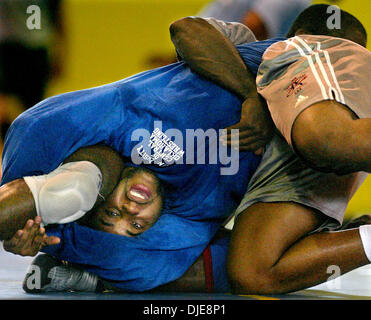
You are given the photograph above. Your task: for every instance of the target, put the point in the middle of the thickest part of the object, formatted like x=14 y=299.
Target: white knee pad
x=67 y=193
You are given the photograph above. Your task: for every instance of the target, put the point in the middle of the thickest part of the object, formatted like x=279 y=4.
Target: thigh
x=264 y=231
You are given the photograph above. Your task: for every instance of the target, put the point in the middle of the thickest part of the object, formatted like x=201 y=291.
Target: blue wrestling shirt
x=153 y=119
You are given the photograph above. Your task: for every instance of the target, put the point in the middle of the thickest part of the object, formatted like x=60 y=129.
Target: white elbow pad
x=67 y=193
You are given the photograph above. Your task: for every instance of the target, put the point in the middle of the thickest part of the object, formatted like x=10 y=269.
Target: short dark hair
x=314 y=21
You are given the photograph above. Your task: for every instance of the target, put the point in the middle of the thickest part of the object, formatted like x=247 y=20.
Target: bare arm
x=211 y=54
x=16 y=207
x=208 y=47
x=16 y=200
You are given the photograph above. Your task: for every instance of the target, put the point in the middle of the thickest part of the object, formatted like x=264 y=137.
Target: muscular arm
x=211 y=54
x=16 y=207
x=16 y=201
x=208 y=48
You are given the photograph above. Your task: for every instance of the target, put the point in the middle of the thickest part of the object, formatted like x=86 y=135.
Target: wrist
x=250 y=93
x=249 y=97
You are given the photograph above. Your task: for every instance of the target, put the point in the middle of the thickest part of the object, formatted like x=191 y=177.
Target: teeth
x=137 y=194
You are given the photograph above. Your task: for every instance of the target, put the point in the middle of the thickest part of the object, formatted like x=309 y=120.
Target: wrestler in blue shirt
x=128 y=116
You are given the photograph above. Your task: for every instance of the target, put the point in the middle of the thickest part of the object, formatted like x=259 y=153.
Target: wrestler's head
x=314 y=20
x=133 y=206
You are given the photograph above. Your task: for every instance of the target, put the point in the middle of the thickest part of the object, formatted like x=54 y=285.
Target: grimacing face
x=132 y=208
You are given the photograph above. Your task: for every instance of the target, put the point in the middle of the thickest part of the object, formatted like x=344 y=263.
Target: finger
x=242 y=134
x=24 y=239
x=32 y=239
x=235 y=138
x=246 y=143
x=37 y=243
x=29 y=239
x=28 y=228
x=252 y=147
x=35 y=227
x=28 y=225
x=238 y=126
x=50 y=241
x=37 y=220
x=17 y=237
x=235 y=130
x=38 y=238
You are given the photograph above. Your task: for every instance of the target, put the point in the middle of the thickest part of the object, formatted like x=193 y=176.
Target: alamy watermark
x=194 y=146
x=34 y=280
x=33 y=22
x=334 y=20
x=334 y=281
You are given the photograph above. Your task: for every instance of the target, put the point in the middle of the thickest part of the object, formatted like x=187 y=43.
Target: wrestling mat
x=355 y=285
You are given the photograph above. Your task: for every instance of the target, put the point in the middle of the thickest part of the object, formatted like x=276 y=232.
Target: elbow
x=182 y=25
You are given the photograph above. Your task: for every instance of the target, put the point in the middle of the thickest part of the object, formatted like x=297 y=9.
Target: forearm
x=16 y=207
x=212 y=55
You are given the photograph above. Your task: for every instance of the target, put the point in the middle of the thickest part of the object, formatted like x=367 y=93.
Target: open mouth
x=139 y=193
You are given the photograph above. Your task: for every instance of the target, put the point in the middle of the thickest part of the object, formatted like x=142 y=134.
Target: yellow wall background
x=108 y=40
x=112 y=39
